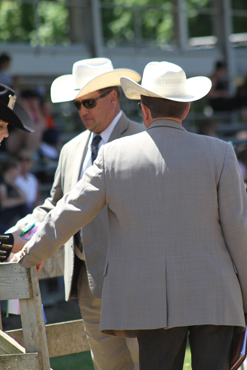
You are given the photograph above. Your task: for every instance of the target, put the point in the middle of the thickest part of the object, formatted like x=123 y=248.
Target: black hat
x=12 y=112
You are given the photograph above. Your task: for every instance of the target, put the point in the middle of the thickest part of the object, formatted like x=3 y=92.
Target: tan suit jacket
x=177 y=230
x=95 y=234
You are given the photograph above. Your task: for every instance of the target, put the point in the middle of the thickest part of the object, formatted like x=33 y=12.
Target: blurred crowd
x=24 y=151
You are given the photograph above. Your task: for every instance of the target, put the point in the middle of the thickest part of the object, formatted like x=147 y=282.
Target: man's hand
x=6 y=246
x=39 y=266
x=16 y=258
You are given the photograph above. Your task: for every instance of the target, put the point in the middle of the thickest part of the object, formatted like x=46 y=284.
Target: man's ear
x=113 y=96
x=186 y=112
x=146 y=112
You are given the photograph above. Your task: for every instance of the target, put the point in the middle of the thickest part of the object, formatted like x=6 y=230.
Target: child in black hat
x=12 y=113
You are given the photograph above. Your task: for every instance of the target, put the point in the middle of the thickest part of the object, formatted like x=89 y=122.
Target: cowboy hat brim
x=196 y=88
x=62 y=88
x=17 y=117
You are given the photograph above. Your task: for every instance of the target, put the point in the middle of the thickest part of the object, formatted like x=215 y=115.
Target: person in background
x=5 y=63
x=27 y=181
x=219 y=98
x=13 y=200
x=51 y=145
x=31 y=101
x=94 y=86
x=5 y=78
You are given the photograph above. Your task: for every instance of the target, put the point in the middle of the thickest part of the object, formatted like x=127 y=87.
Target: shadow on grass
x=77 y=361
x=83 y=361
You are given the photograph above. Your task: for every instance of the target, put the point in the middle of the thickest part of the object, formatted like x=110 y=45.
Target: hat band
x=12 y=100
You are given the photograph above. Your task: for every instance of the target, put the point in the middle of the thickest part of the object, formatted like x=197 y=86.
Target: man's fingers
x=39 y=266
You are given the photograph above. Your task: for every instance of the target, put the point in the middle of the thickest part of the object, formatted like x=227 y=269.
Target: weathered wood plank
x=20 y=362
x=63 y=338
x=53 y=267
x=33 y=325
x=8 y=345
x=14 y=281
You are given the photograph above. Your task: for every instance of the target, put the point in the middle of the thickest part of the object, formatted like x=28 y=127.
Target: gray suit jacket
x=177 y=230
x=95 y=234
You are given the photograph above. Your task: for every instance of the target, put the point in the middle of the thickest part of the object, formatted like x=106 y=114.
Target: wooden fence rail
x=31 y=347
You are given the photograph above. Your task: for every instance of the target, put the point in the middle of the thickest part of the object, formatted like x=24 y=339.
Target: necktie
x=94 y=150
x=95 y=147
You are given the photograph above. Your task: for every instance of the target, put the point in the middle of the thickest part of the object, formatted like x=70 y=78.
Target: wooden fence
x=31 y=347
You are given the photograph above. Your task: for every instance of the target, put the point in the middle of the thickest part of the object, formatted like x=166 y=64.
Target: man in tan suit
x=95 y=87
x=177 y=214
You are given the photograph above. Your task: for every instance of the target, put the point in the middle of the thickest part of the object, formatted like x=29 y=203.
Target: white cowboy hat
x=166 y=80
x=88 y=75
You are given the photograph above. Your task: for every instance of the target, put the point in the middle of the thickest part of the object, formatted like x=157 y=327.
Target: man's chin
x=90 y=125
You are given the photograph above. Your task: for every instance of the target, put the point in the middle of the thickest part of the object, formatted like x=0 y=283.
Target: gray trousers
x=108 y=352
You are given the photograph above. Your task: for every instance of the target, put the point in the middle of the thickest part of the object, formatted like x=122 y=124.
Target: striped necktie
x=95 y=147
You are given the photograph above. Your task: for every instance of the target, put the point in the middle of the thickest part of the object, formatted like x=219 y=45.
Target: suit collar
x=166 y=123
x=120 y=128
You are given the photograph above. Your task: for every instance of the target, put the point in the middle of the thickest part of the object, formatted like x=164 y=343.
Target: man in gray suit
x=177 y=249
x=95 y=88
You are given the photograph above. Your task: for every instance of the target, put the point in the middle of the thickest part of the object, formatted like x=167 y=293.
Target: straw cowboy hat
x=166 y=80
x=88 y=75
x=12 y=112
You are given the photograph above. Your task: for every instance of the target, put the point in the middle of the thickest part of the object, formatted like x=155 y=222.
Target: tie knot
x=96 y=140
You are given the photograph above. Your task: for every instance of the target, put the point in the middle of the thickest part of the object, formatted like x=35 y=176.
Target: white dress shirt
x=105 y=136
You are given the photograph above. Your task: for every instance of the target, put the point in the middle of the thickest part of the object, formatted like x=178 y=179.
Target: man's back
x=186 y=179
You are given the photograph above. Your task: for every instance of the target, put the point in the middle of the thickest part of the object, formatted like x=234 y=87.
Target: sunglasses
x=90 y=103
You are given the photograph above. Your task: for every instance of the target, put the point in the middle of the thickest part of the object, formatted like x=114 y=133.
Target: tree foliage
x=24 y=23
x=136 y=22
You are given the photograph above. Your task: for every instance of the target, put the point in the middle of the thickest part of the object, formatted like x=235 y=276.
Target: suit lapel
x=120 y=127
x=80 y=151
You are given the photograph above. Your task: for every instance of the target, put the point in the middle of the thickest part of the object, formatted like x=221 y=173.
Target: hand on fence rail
x=18 y=256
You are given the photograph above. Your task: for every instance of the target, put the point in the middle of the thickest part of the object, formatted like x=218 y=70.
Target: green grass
x=77 y=361
x=187 y=360
x=83 y=361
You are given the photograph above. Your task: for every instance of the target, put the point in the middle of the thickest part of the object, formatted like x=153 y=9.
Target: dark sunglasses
x=90 y=103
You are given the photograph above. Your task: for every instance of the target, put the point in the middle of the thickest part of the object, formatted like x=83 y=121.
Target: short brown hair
x=160 y=107
x=115 y=88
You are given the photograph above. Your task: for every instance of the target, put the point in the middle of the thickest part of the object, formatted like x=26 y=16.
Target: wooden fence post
x=35 y=339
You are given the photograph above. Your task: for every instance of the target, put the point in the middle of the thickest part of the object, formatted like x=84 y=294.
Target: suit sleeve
x=233 y=216
x=72 y=212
